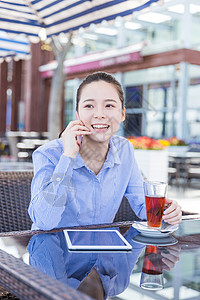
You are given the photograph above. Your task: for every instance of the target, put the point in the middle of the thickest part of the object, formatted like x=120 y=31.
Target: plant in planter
x=174 y=141
x=146 y=143
x=151 y=157
x=175 y=144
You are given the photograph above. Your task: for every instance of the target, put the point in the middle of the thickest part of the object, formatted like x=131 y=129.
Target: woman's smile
x=100 y=127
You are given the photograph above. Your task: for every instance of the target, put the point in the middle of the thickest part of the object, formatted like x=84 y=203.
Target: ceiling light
x=132 y=25
x=107 y=31
x=194 y=8
x=90 y=36
x=153 y=17
x=179 y=8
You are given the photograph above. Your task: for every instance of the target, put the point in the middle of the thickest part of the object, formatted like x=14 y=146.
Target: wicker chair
x=14 y=200
x=26 y=282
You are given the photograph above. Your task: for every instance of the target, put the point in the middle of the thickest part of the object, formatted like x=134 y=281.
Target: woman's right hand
x=69 y=137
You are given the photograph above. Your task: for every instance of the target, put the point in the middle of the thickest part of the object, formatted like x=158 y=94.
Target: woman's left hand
x=170 y=256
x=172 y=214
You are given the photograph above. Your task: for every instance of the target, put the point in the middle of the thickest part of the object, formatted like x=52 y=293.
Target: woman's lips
x=100 y=127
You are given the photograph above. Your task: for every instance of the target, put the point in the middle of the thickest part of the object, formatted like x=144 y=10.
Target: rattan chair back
x=125 y=212
x=15 y=195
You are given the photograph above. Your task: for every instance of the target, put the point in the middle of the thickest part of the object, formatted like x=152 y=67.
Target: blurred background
x=154 y=53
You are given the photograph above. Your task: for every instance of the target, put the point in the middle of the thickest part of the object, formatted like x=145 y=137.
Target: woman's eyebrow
x=113 y=100
x=88 y=100
x=106 y=100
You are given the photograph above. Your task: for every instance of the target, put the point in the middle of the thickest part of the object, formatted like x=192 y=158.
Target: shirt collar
x=111 y=159
x=112 y=156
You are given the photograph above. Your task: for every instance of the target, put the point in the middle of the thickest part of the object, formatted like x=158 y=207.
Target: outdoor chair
x=193 y=170
x=15 y=193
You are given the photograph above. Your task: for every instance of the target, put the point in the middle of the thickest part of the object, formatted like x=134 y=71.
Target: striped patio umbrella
x=17 y=47
x=56 y=16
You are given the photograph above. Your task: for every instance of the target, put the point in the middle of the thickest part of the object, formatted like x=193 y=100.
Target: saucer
x=144 y=230
x=166 y=241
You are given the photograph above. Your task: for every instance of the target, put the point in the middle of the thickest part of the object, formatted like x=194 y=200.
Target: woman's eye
x=89 y=106
x=109 y=105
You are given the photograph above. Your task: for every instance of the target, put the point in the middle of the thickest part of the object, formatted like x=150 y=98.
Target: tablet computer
x=96 y=240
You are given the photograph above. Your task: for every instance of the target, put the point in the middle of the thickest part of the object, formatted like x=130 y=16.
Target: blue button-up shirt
x=65 y=192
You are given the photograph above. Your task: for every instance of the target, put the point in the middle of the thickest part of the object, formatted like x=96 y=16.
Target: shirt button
x=58 y=179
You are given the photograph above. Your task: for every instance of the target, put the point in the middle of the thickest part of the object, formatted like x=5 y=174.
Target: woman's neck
x=94 y=154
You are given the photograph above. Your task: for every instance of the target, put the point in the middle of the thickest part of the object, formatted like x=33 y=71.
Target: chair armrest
x=26 y=282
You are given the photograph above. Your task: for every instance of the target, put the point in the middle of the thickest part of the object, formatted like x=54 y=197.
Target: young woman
x=82 y=177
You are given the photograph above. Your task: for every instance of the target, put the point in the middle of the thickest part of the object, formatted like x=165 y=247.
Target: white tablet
x=96 y=240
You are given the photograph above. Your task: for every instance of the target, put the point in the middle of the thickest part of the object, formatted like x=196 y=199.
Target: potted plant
x=151 y=156
x=176 y=145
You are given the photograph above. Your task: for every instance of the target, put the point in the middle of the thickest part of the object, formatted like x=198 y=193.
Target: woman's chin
x=99 y=137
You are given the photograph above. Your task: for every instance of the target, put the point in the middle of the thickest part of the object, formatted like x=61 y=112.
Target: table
x=183 y=167
x=16 y=166
x=117 y=274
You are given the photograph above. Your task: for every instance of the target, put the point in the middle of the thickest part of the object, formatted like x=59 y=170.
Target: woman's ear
x=123 y=114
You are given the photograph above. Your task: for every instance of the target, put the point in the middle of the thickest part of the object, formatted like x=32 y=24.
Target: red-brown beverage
x=154 y=207
x=152 y=261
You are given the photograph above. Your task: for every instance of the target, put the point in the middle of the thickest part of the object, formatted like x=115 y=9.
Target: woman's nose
x=99 y=113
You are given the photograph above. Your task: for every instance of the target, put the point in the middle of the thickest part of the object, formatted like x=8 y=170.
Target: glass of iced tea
x=155 y=193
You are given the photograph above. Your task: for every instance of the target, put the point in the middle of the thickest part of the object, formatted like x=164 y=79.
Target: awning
x=17 y=47
x=56 y=16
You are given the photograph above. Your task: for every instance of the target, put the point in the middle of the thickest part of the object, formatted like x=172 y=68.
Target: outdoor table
x=184 y=155
x=16 y=166
x=183 y=164
x=57 y=273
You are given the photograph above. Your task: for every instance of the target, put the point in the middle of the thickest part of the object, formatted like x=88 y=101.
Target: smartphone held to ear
x=79 y=137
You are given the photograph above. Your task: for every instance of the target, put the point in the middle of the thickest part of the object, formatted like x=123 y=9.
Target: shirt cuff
x=64 y=166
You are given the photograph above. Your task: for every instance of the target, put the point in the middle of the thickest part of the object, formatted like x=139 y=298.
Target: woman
x=82 y=177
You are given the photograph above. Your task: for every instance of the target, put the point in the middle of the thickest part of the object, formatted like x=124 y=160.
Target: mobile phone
x=79 y=137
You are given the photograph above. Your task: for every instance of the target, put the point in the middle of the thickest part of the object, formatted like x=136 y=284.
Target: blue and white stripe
x=56 y=16
x=14 y=47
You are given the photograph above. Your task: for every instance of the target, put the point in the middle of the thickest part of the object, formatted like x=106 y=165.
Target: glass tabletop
x=156 y=268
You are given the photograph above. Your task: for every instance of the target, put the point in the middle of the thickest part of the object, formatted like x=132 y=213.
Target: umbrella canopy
x=17 y=47
x=56 y=16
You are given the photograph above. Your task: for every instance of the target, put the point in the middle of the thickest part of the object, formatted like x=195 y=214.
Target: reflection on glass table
x=108 y=273
x=117 y=275
x=181 y=276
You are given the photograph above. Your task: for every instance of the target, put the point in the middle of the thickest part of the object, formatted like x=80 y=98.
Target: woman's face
x=100 y=109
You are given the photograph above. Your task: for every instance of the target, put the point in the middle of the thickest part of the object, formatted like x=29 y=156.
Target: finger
x=72 y=123
x=174 y=249
x=173 y=205
x=81 y=132
x=79 y=127
x=170 y=257
x=173 y=213
x=173 y=220
x=168 y=264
